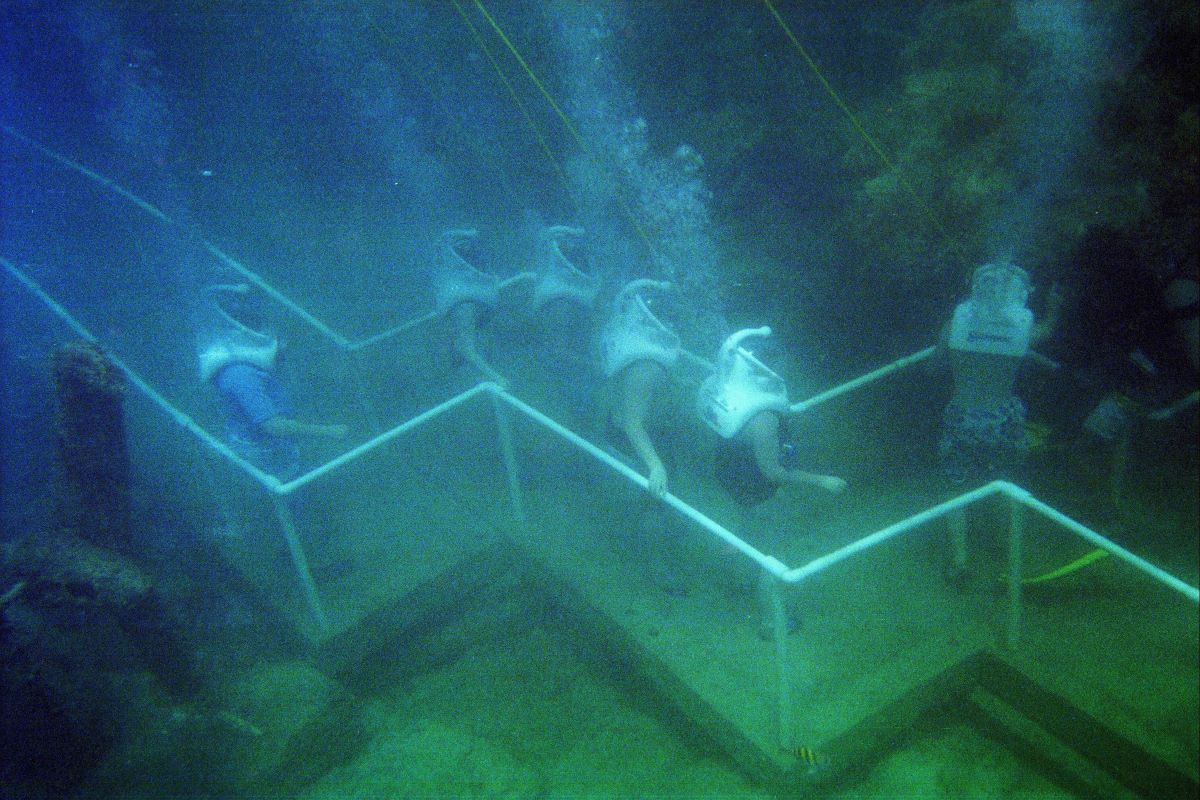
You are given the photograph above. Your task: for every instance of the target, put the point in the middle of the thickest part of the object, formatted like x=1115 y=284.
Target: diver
x=563 y=295
x=1135 y=336
x=746 y=403
x=983 y=434
x=561 y=310
x=465 y=295
x=637 y=353
x=1137 y=407
x=238 y=354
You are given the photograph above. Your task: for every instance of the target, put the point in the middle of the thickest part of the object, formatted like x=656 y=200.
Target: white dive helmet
x=223 y=339
x=633 y=333
x=557 y=277
x=994 y=319
x=456 y=281
x=741 y=387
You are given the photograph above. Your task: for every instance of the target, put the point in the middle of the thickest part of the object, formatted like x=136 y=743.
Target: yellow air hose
x=1090 y=557
x=858 y=126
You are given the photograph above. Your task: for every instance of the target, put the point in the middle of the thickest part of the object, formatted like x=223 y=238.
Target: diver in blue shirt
x=238 y=354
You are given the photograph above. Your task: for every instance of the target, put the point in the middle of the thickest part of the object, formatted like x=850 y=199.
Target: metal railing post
x=771 y=599
x=510 y=460
x=300 y=561
x=1016 y=529
x=364 y=399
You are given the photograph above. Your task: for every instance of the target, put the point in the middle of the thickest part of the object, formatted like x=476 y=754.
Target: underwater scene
x=599 y=399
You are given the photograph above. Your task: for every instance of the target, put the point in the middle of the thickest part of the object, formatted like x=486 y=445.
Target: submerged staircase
x=883 y=640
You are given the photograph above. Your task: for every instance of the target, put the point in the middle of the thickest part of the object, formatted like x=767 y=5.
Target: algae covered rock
x=995 y=138
x=90 y=428
x=76 y=622
x=63 y=560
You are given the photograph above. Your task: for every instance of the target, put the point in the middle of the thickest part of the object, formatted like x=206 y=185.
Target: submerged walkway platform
x=859 y=680
x=877 y=648
x=377 y=565
x=882 y=639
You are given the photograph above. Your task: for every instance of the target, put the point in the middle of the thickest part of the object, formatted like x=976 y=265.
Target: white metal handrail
x=775 y=572
x=1014 y=492
x=862 y=380
x=226 y=452
x=427 y=317
x=1185 y=402
x=262 y=283
x=887 y=369
x=768 y=562
x=383 y=438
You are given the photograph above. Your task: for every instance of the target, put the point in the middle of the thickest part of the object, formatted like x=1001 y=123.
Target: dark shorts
x=737 y=472
x=982 y=443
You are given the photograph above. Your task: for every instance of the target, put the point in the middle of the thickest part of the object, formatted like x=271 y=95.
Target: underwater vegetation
x=992 y=131
x=985 y=130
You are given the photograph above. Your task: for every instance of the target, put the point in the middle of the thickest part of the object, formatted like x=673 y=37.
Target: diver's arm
x=1043 y=329
x=656 y=472
x=830 y=483
x=941 y=353
x=280 y=425
x=763 y=430
x=464 y=317
x=638 y=384
x=939 y=359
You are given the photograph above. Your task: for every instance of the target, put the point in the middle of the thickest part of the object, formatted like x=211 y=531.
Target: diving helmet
x=741 y=387
x=233 y=328
x=633 y=332
x=994 y=319
x=456 y=281
x=557 y=277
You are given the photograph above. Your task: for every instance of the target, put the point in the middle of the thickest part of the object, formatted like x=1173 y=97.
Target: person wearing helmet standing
x=746 y=403
x=637 y=353
x=983 y=433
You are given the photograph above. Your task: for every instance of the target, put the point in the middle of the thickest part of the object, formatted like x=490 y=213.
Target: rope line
x=858 y=126
x=626 y=209
x=161 y=216
x=430 y=76
x=108 y=183
x=533 y=126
